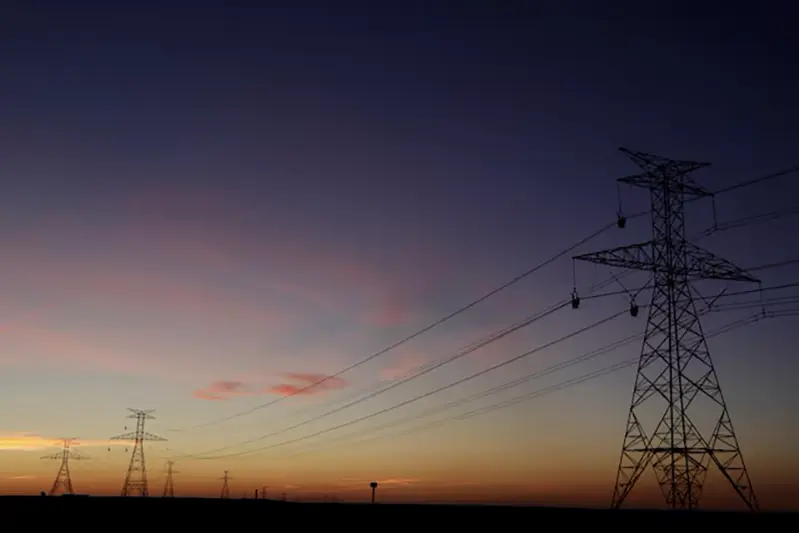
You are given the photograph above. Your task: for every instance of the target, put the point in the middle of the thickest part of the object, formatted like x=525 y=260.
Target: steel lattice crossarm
x=132 y=435
x=73 y=456
x=700 y=263
x=661 y=171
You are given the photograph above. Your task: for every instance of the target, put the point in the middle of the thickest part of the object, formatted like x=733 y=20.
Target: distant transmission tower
x=676 y=389
x=225 y=488
x=136 y=478
x=169 y=486
x=63 y=481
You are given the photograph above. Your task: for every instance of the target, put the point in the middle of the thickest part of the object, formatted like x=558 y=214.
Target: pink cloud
x=221 y=390
x=205 y=236
x=132 y=289
x=309 y=384
x=305 y=384
x=52 y=346
x=408 y=364
x=391 y=310
x=199 y=235
x=59 y=346
x=25 y=441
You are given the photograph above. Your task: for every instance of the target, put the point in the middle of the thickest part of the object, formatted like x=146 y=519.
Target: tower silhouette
x=676 y=396
x=63 y=480
x=169 y=486
x=373 y=485
x=136 y=477
x=225 y=488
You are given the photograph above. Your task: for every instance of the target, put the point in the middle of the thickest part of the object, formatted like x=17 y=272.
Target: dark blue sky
x=350 y=171
x=404 y=121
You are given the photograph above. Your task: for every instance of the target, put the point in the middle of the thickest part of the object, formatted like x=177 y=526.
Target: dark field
x=116 y=512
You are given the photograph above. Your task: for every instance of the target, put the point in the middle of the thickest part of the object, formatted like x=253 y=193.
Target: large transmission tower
x=63 y=481
x=136 y=478
x=225 y=488
x=676 y=396
x=169 y=486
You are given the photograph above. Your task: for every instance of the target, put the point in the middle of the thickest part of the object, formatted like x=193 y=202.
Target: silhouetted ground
x=116 y=512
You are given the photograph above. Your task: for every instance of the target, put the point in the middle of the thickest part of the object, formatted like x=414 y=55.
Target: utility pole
x=373 y=485
x=136 y=478
x=169 y=486
x=63 y=481
x=225 y=488
x=676 y=396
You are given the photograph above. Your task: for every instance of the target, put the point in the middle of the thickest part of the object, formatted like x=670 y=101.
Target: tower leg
x=675 y=375
x=63 y=480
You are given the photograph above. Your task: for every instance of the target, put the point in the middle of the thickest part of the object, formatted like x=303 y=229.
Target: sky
x=206 y=210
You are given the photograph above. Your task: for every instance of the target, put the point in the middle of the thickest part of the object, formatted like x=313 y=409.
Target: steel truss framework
x=225 y=488
x=63 y=480
x=136 y=477
x=169 y=485
x=675 y=368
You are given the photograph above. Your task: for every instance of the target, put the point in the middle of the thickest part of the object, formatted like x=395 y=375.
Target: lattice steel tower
x=136 y=478
x=225 y=488
x=676 y=396
x=63 y=481
x=169 y=486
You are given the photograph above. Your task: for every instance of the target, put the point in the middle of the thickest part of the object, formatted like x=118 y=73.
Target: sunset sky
x=205 y=210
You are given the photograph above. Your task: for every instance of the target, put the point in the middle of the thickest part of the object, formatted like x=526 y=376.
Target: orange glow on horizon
x=309 y=481
x=31 y=442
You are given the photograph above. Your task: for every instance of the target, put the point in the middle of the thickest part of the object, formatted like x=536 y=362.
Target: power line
x=378 y=388
x=537 y=393
x=429 y=367
x=612 y=368
x=592 y=354
x=474 y=303
x=464 y=352
x=755 y=181
x=759 y=290
x=531 y=395
x=723 y=190
x=430 y=393
x=499 y=388
x=469 y=349
x=610 y=348
x=746 y=221
x=422 y=331
x=778 y=264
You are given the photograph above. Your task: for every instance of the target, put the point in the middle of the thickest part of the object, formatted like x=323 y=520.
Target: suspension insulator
x=575 y=300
